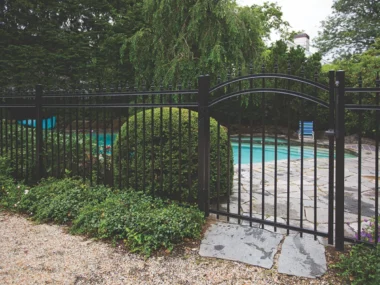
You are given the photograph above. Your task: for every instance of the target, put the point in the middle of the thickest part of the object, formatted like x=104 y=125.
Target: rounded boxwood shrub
x=159 y=154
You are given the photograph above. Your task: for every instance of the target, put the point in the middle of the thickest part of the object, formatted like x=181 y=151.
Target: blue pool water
x=282 y=150
x=107 y=138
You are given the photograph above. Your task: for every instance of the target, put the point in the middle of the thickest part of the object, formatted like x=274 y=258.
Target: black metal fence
x=76 y=133
x=237 y=149
x=363 y=103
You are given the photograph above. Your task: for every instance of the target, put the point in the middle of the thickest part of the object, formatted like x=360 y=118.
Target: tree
x=183 y=39
x=351 y=29
x=365 y=66
x=64 y=43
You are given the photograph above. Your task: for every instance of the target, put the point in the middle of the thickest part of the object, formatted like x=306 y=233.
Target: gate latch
x=330 y=133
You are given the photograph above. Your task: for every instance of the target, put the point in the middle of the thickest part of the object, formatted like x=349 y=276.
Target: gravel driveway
x=46 y=254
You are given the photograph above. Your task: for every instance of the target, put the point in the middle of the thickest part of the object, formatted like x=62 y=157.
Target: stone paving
x=309 y=197
x=298 y=256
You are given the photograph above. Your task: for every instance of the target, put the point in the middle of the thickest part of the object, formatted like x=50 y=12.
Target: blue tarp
x=48 y=123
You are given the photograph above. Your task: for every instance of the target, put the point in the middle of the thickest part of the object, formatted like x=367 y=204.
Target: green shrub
x=144 y=223
x=61 y=200
x=20 y=142
x=5 y=168
x=175 y=165
x=361 y=266
x=163 y=227
x=10 y=192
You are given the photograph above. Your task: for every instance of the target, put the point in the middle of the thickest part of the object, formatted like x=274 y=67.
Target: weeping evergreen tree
x=183 y=39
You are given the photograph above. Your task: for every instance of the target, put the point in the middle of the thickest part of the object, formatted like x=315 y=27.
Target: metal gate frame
x=336 y=135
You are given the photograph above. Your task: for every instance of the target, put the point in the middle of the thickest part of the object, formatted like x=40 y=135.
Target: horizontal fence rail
x=271 y=76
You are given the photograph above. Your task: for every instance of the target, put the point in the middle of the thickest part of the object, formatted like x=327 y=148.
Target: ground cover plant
x=60 y=200
x=10 y=192
x=360 y=265
x=145 y=224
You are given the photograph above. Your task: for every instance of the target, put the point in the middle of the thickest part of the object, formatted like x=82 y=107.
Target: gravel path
x=46 y=254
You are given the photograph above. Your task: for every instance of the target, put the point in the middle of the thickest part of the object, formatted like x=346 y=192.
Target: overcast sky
x=301 y=14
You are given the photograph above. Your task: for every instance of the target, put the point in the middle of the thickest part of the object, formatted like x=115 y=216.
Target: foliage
x=60 y=201
x=183 y=39
x=352 y=28
x=159 y=154
x=362 y=68
x=67 y=43
x=5 y=168
x=361 y=266
x=144 y=223
x=62 y=153
x=10 y=192
x=278 y=58
x=63 y=43
x=368 y=232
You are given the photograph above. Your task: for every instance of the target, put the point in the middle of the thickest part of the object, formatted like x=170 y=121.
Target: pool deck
x=306 y=211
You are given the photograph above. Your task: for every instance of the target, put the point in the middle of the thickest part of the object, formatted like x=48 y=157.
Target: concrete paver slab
x=302 y=257
x=241 y=243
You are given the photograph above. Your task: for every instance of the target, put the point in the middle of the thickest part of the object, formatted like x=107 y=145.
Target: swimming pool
x=109 y=140
x=257 y=148
x=282 y=152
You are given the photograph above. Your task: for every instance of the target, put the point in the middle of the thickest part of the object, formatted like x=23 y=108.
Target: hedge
x=159 y=154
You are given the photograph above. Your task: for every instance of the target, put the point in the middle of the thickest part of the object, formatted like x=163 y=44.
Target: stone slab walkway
x=281 y=196
x=303 y=257
x=312 y=196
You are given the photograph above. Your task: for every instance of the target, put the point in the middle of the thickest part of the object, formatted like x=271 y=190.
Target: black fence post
x=339 y=133
x=203 y=143
x=331 y=156
x=39 y=137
